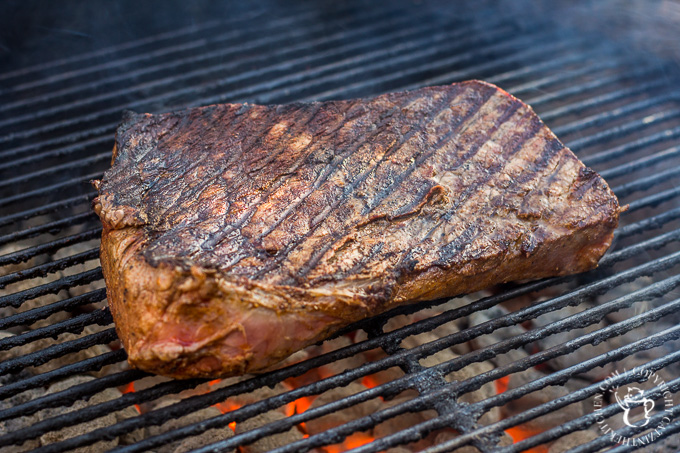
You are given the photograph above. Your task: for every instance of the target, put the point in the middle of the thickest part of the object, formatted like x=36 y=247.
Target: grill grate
x=616 y=108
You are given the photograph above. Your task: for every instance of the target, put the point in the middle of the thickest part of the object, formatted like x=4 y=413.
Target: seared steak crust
x=237 y=234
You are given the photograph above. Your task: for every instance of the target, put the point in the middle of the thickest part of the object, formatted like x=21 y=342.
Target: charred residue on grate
x=519 y=363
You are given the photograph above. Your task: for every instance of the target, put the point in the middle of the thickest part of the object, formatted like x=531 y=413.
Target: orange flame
x=519 y=433
x=228 y=406
x=502 y=384
x=130 y=388
x=353 y=441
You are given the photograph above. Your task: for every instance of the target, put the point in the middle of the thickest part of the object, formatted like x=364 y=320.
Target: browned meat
x=235 y=235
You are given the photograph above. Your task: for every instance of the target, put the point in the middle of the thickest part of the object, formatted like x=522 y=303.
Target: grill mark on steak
x=473 y=115
x=351 y=188
x=235 y=235
x=279 y=181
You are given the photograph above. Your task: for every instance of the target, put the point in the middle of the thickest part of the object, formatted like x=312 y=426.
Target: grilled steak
x=237 y=234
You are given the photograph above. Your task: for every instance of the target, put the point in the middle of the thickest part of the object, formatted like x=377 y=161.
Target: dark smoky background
x=36 y=31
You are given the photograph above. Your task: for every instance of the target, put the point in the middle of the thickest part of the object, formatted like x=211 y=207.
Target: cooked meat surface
x=237 y=234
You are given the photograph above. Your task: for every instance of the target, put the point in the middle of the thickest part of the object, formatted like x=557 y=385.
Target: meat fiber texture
x=237 y=234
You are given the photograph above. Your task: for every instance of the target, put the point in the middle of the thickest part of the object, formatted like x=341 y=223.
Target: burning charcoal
x=14 y=424
x=572 y=440
x=382 y=377
x=319 y=425
x=403 y=421
x=579 y=355
x=16 y=247
x=414 y=341
x=338 y=366
x=76 y=430
x=497 y=335
x=296 y=357
x=625 y=289
x=533 y=399
x=81 y=267
x=30 y=283
x=269 y=442
x=256 y=395
x=485 y=391
x=6 y=354
x=474 y=369
x=208 y=437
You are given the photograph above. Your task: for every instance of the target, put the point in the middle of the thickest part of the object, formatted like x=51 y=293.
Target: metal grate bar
x=49 y=227
x=389 y=25
x=48 y=247
x=654 y=200
x=638 y=164
x=30 y=316
x=70 y=281
x=602 y=99
x=222 y=51
x=22 y=197
x=589 y=63
x=555 y=62
x=42 y=380
x=613 y=114
x=56 y=169
x=40 y=357
x=421 y=49
x=57 y=152
x=376 y=84
x=180 y=32
x=585 y=87
x=624 y=129
x=65 y=397
x=72 y=325
x=47 y=268
x=649 y=223
x=45 y=209
x=632 y=146
x=114 y=63
x=531 y=53
x=646 y=182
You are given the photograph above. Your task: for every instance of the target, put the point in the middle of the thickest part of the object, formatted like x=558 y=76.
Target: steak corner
x=237 y=234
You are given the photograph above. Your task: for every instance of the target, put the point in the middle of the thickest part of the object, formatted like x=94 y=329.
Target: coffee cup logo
x=638 y=408
x=634 y=397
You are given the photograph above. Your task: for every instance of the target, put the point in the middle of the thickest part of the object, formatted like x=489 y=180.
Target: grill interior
x=613 y=103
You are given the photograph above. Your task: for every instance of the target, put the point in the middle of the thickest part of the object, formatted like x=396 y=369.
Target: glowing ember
x=519 y=433
x=130 y=388
x=369 y=382
x=354 y=441
x=502 y=384
x=228 y=406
